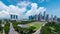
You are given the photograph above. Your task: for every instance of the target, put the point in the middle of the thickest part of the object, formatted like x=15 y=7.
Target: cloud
x=35 y=10
x=16 y=9
x=16 y=1
x=3 y=6
x=23 y=4
x=19 y=9
x=47 y=0
x=3 y=10
x=11 y=9
x=44 y=1
x=4 y=14
x=41 y=9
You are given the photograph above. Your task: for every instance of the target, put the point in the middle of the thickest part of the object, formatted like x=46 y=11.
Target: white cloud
x=16 y=9
x=23 y=4
x=44 y=1
x=3 y=6
x=4 y=14
x=11 y=9
x=47 y=0
x=35 y=10
x=40 y=9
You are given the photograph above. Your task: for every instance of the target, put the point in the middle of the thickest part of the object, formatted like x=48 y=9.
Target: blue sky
x=52 y=6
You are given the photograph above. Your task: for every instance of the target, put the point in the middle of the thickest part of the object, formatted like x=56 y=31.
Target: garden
x=7 y=27
x=1 y=28
x=51 y=28
x=28 y=27
x=4 y=25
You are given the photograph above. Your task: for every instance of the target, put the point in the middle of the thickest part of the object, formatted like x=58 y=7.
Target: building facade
x=13 y=17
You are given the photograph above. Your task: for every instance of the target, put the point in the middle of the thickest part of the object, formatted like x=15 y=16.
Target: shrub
x=31 y=29
x=1 y=28
x=6 y=28
x=51 y=28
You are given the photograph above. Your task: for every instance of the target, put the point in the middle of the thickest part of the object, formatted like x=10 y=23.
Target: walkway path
x=12 y=31
x=38 y=31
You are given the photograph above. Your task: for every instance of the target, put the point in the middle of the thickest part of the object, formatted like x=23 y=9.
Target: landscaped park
x=4 y=26
x=27 y=27
x=22 y=27
x=30 y=27
x=51 y=28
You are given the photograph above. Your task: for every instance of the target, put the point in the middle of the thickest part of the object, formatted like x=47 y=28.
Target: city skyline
x=44 y=17
x=25 y=8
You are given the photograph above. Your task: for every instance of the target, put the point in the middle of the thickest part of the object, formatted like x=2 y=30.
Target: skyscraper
x=58 y=19
x=13 y=17
x=55 y=18
x=51 y=17
x=47 y=17
x=31 y=17
x=44 y=16
x=36 y=17
x=39 y=17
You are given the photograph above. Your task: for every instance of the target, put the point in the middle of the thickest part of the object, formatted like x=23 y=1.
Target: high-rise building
x=47 y=17
x=31 y=17
x=55 y=18
x=58 y=19
x=36 y=17
x=39 y=17
x=16 y=16
x=44 y=16
x=51 y=17
x=13 y=17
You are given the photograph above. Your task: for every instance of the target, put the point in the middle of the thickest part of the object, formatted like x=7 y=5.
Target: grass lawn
x=35 y=24
x=0 y=33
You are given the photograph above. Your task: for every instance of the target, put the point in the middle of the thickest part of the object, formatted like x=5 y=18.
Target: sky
x=25 y=8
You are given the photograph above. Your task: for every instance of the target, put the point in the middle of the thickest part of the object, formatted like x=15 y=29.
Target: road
x=12 y=31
